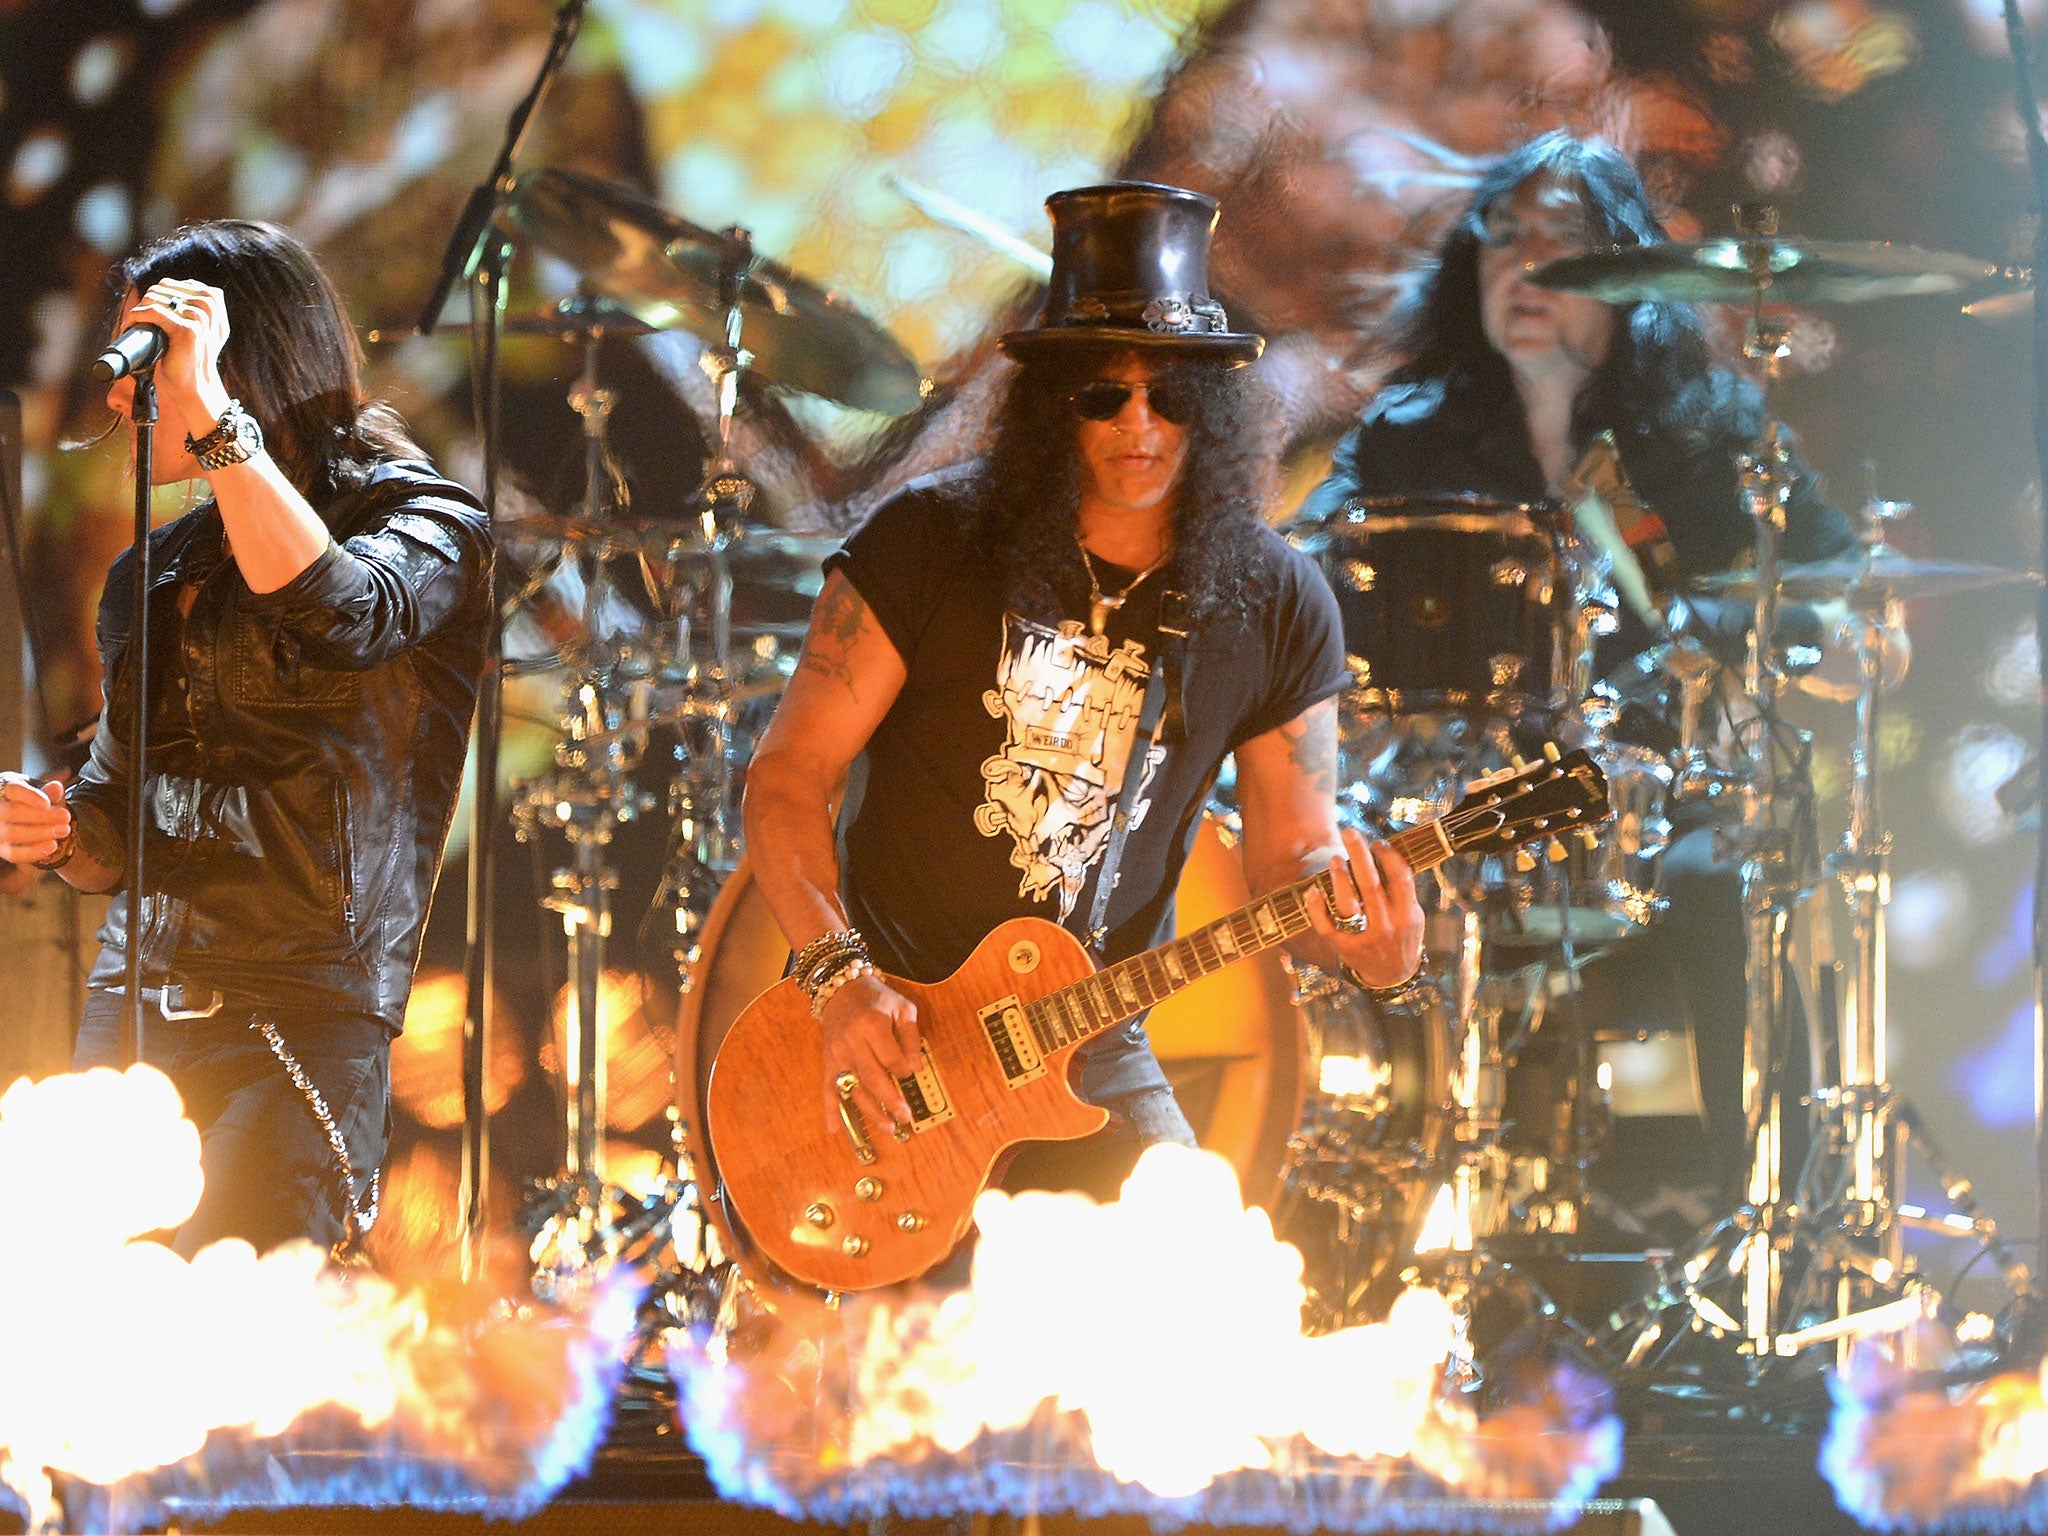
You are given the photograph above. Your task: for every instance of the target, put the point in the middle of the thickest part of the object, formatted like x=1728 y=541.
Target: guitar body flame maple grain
x=807 y=1201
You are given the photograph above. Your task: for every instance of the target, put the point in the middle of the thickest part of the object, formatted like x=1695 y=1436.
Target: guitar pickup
x=1009 y=1032
x=925 y=1094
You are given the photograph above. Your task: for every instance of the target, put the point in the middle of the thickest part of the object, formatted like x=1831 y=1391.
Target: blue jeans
x=271 y=1173
x=1122 y=1076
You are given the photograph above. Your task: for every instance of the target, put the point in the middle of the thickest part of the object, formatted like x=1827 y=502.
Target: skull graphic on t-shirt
x=1071 y=704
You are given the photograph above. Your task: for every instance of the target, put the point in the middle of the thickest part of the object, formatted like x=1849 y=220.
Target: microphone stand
x=459 y=260
x=2037 y=164
x=470 y=253
x=143 y=413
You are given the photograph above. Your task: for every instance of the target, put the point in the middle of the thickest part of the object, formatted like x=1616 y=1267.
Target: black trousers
x=271 y=1172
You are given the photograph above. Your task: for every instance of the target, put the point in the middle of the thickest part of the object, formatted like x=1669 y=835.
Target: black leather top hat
x=1130 y=266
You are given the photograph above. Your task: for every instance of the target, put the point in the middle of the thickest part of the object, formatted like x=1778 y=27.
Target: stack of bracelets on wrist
x=829 y=987
x=828 y=963
x=1403 y=991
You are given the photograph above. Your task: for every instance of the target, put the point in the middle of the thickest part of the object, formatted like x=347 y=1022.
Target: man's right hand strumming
x=870 y=1030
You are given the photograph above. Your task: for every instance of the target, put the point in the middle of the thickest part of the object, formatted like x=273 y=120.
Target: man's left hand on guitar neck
x=1287 y=793
x=1376 y=930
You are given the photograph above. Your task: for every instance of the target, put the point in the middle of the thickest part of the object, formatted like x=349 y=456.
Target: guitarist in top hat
x=1031 y=667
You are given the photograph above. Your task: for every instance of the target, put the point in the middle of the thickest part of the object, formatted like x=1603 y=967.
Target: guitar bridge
x=1010 y=1033
x=925 y=1094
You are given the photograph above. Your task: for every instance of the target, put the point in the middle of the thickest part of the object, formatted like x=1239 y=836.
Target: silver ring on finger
x=1356 y=923
x=846 y=1082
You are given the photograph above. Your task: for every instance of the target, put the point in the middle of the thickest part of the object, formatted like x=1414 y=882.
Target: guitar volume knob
x=818 y=1214
x=910 y=1221
x=853 y=1245
x=868 y=1189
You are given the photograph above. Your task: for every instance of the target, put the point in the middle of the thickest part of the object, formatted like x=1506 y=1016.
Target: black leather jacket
x=306 y=748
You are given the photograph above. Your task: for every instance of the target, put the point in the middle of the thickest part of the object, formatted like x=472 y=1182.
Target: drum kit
x=1422 y=1146
x=1473 y=626
x=679 y=627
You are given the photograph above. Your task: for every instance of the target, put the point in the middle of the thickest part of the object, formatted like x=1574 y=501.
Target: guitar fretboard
x=1117 y=992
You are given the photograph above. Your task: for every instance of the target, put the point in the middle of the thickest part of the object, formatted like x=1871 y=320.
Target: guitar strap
x=1159 y=713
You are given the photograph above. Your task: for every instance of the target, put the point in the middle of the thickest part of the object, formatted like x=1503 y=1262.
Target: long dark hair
x=1658 y=374
x=1027 y=493
x=291 y=356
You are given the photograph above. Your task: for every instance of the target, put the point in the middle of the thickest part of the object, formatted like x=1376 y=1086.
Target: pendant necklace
x=1101 y=604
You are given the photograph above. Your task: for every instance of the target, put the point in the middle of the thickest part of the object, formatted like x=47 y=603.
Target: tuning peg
x=1525 y=861
x=1550 y=751
x=1588 y=836
x=1555 y=851
x=1521 y=763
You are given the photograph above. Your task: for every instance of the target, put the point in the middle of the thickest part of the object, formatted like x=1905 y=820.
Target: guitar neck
x=1118 y=992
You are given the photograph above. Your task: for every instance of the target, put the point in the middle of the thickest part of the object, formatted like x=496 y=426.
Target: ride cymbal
x=1881 y=572
x=1730 y=271
x=669 y=273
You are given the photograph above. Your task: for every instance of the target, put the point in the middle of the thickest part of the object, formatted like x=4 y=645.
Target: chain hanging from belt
x=358 y=1214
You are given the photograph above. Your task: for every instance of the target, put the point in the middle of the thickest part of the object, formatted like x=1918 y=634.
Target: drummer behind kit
x=1474 y=624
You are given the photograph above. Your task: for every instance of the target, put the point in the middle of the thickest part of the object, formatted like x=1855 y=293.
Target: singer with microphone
x=316 y=634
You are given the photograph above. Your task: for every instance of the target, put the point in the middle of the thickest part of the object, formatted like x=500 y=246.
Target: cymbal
x=666 y=272
x=1792 y=271
x=1881 y=572
x=573 y=319
x=2016 y=305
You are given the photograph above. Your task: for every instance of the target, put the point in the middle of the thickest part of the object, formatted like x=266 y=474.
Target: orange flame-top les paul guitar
x=865 y=1206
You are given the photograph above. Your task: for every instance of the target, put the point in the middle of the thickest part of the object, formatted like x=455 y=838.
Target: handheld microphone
x=133 y=350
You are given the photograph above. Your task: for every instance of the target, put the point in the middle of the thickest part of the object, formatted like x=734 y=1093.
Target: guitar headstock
x=1548 y=798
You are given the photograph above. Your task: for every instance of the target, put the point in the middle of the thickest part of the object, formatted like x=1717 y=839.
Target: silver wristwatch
x=236 y=439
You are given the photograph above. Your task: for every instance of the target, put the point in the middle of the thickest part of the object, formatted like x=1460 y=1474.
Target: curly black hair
x=1025 y=494
x=1659 y=374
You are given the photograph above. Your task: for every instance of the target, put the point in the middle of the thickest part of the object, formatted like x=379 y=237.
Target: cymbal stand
x=1451 y=1252
x=1750 y=1247
x=698 y=576
x=1849 y=1198
x=570 y=1216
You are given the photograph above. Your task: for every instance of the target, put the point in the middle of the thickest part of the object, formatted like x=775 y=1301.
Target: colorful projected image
x=897 y=154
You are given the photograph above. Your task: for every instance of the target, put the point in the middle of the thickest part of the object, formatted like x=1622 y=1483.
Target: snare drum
x=1450 y=602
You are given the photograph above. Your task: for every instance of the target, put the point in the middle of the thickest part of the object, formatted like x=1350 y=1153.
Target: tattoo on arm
x=835 y=626
x=1312 y=746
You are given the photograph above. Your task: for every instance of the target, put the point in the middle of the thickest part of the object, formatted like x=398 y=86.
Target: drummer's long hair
x=1659 y=373
x=291 y=356
x=1026 y=495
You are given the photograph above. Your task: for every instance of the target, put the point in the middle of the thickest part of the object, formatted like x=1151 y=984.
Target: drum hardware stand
x=1753 y=1243
x=581 y=1224
x=1867 y=1127
x=705 y=848
x=1842 y=1236
x=1456 y=1261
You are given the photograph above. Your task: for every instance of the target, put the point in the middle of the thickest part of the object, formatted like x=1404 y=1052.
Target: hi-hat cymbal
x=1791 y=271
x=1880 y=573
x=667 y=271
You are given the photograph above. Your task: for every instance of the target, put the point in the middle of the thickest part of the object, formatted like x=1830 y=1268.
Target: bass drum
x=1371 y=1155
x=1230 y=1043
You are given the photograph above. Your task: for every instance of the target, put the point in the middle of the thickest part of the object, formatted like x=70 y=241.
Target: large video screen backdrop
x=1339 y=135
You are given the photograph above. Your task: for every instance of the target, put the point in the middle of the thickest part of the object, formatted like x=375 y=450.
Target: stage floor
x=648 y=1482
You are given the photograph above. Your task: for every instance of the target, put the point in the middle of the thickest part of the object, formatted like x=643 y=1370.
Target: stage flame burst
x=1169 y=1321
x=117 y=1356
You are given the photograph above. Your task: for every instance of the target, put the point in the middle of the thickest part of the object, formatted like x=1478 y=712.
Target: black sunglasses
x=1102 y=399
